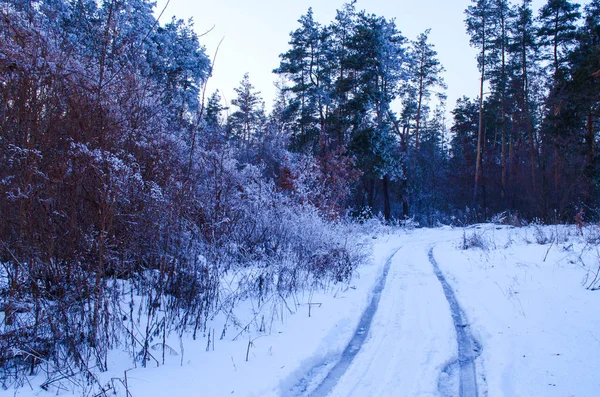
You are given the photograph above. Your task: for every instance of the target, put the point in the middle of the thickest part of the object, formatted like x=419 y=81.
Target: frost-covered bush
x=408 y=223
x=591 y=234
x=475 y=239
x=254 y=224
x=125 y=213
x=541 y=234
x=499 y=218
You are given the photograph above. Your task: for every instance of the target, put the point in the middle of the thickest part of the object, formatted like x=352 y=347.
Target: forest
x=128 y=193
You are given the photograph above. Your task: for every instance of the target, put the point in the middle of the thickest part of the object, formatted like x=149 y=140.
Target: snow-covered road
x=505 y=318
x=412 y=307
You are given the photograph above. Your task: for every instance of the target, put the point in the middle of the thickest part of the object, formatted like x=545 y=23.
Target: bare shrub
x=541 y=235
x=475 y=239
x=591 y=234
x=592 y=280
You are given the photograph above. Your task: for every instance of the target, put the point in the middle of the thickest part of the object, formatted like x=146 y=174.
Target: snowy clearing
x=522 y=314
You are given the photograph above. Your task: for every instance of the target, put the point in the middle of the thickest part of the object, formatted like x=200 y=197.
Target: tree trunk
x=590 y=154
x=480 y=132
x=525 y=108
x=556 y=170
x=386 y=198
x=12 y=293
x=555 y=132
x=371 y=194
x=405 y=211
x=419 y=104
x=589 y=140
x=503 y=120
x=511 y=168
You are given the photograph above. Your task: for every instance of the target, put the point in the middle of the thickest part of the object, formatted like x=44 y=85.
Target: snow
x=276 y=360
x=535 y=324
x=524 y=303
x=411 y=338
x=538 y=325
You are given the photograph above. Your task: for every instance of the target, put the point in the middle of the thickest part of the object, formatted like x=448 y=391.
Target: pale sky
x=255 y=32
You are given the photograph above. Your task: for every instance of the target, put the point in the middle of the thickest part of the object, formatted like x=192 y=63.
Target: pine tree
x=583 y=93
x=557 y=33
x=479 y=27
x=342 y=30
x=213 y=124
x=426 y=72
x=180 y=66
x=464 y=147
x=498 y=72
x=245 y=124
x=523 y=50
x=376 y=61
x=342 y=79
x=306 y=67
x=428 y=183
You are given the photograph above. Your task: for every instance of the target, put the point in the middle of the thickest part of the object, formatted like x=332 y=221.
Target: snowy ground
x=527 y=321
x=526 y=304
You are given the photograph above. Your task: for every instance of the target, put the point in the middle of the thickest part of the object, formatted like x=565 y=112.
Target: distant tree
x=342 y=79
x=523 y=50
x=557 y=33
x=463 y=152
x=377 y=61
x=582 y=97
x=306 y=66
x=429 y=174
x=498 y=71
x=245 y=123
x=479 y=26
x=342 y=32
x=426 y=71
x=180 y=66
x=214 y=124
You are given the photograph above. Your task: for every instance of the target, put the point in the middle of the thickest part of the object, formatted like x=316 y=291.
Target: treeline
x=526 y=145
x=533 y=136
x=369 y=106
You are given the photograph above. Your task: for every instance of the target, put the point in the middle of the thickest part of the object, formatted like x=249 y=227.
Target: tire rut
x=353 y=347
x=468 y=348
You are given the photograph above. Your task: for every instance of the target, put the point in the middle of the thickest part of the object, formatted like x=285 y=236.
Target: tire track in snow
x=353 y=347
x=468 y=348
